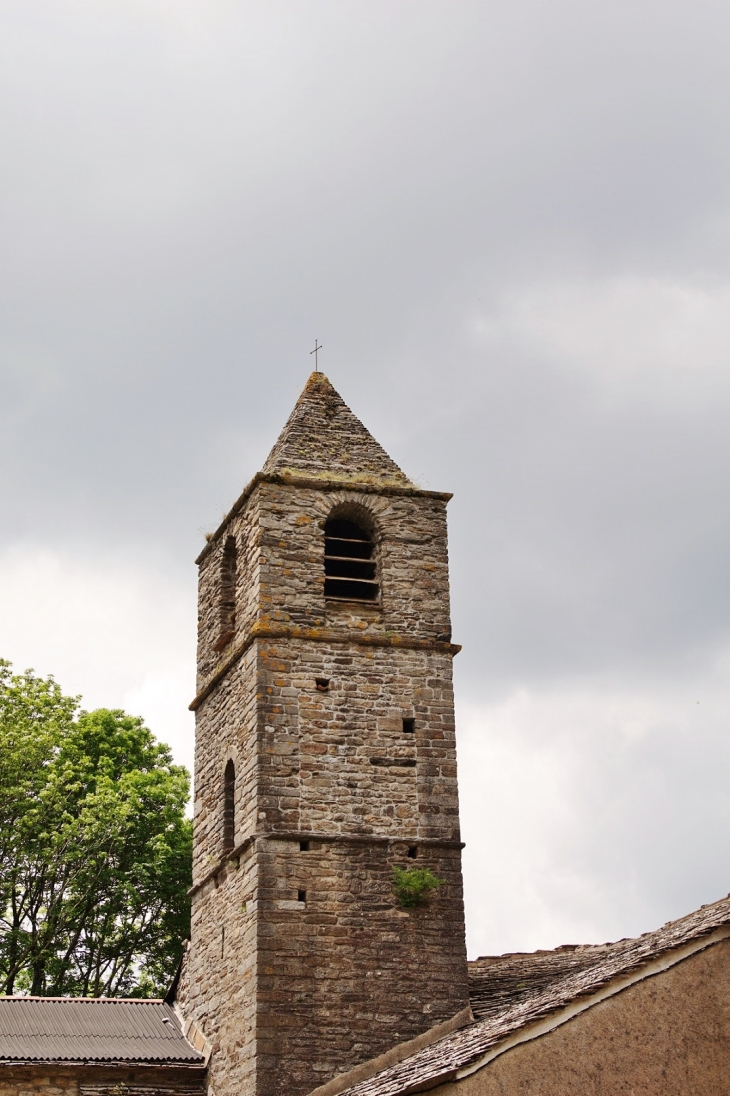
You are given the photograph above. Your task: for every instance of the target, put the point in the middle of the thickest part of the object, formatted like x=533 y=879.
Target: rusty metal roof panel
x=86 y=1029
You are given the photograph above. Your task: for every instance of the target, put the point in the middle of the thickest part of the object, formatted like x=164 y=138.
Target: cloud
x=591 y=810
x=117 y=632
x=658 y=343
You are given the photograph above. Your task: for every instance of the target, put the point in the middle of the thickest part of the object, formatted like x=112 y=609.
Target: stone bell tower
x=325 y=757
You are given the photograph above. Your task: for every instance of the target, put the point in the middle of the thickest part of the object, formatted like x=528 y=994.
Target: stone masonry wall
x=382 y=974
x=226 y=728
x=42 y=1080
x=347 y=973
x=304 y=767
x=243 y=528
x=410 y=550
x=279 y=534
x=302 y=963
x=339 y=762
x=90 y=1079
x=218 y=990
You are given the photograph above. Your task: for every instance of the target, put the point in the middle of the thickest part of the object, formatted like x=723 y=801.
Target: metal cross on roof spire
x=316 y=348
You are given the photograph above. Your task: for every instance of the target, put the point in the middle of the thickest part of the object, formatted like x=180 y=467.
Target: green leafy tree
x=95 y=848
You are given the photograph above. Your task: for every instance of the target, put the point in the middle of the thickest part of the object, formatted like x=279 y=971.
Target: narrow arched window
x=349 y=566
x=229 y=806
x=227 y=595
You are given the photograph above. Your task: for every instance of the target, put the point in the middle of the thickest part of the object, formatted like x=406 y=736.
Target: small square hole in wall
x=413 y=852
x=301 y=896
x=323 y=684
x=303 y=847
x=409 y=726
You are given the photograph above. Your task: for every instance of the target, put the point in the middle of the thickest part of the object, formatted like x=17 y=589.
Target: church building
x=327 y=952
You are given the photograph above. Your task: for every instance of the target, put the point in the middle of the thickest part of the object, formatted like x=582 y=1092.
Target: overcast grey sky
x=509 y=225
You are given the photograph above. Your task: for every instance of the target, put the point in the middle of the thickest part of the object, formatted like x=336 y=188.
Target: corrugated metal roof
x=91 y=1029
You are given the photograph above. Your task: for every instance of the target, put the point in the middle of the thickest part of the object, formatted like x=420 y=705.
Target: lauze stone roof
x=92 y=1029
x=513 y=993
x=323 y=439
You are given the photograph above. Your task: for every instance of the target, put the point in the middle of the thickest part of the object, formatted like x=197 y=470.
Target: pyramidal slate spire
x=322 y=439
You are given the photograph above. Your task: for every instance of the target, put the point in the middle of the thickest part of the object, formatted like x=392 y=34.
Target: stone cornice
x=326 y=483
x=325 y=838
x=261 y=630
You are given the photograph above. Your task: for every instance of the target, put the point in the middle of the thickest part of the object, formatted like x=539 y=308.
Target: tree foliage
x=95 y=849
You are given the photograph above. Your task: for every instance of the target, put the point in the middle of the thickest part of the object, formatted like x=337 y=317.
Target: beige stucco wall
x=668 y=1035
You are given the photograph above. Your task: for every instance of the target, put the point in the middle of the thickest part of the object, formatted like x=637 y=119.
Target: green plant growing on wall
x=413 y=886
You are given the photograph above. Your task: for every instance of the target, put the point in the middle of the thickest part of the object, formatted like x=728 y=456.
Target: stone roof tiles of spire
x=323 y=439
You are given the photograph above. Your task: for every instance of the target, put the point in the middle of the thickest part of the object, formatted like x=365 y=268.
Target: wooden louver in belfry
x=348 y=564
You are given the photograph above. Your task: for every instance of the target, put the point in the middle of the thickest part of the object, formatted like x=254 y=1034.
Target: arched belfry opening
x=229 y=806
x=227 y=594
x=349 y=561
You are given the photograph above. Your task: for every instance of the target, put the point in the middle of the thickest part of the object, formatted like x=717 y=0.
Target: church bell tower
x=324 y=760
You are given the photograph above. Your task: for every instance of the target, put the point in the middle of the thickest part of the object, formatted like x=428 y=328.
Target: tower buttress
x=325 y=758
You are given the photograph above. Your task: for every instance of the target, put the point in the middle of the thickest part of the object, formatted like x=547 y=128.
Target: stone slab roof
x=92 y=1029
x=497 y=981
x=323 y=439
x=511 y=993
